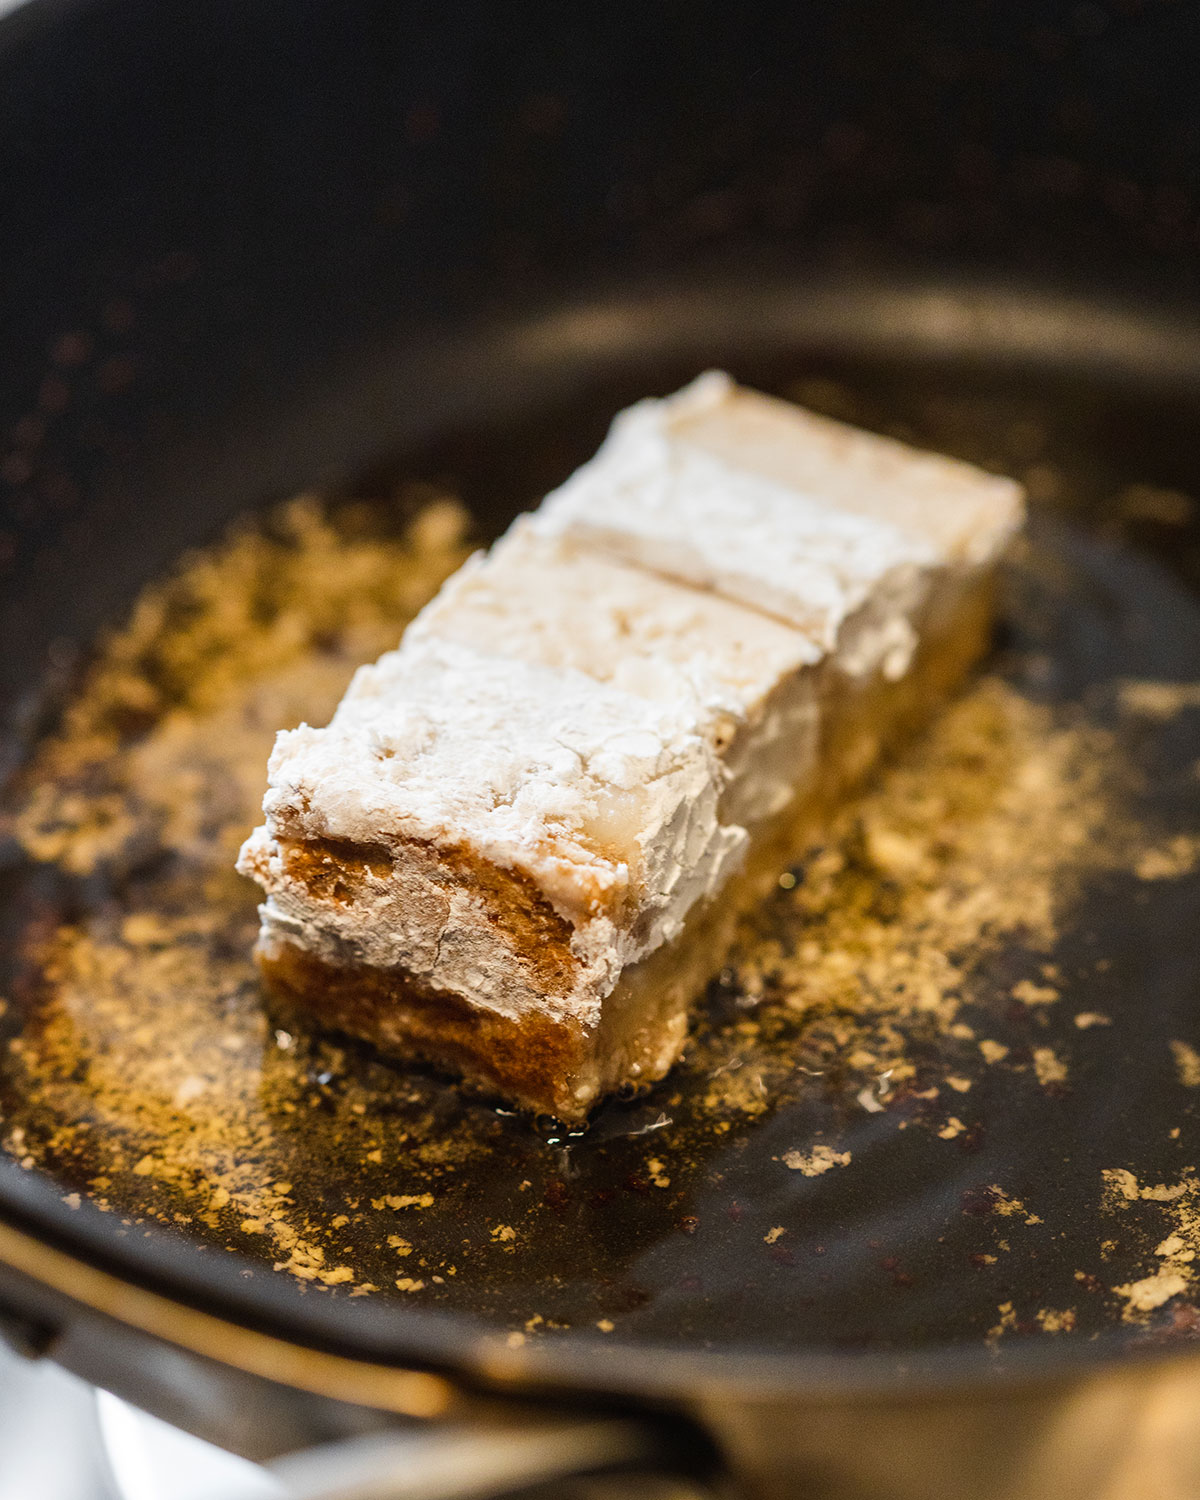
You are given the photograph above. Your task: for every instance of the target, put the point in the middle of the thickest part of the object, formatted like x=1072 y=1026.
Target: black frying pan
x=446 y=249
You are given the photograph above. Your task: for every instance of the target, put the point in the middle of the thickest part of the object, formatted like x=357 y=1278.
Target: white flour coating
x=780 y=510
x=606 y=801
x=965 y=514
x=548 y=600
x=683 y=513
x=605 y=702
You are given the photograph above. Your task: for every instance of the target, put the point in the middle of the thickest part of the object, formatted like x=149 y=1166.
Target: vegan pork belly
x=524 y=842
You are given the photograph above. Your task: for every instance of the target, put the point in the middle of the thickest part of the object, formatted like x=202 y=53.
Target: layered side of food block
x=524 y=842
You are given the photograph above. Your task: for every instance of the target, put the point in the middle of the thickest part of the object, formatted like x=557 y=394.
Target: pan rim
x=463 y=1347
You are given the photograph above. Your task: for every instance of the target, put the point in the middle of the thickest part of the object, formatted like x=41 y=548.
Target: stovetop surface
x=61 y=1439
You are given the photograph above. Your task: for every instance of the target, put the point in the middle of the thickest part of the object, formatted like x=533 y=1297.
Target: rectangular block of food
x=523 y=844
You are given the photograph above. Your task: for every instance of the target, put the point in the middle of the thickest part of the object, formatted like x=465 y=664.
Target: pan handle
x=607 y=1457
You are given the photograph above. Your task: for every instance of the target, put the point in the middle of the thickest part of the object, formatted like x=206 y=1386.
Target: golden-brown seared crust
x=540 y=939
x=533 y=1061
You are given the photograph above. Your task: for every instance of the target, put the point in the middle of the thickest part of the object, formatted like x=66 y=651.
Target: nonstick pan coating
x=968 y=1222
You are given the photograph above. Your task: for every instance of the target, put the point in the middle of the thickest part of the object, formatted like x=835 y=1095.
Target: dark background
x=226 y=216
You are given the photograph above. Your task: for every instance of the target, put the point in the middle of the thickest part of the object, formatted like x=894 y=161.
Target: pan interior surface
x=945 y=1094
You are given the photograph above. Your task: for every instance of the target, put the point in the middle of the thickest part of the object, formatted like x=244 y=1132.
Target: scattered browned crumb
x=1003 y=1205
x=1158 y=700
x=145 y=1056
x=1171 y=1262
x=1048 y=1066
x=873 y=954
x=813 y=1163
x=1029 y=993
x=175 y=718
x=1178 y=856
x=1007 y=1323
x=1053 y=1320
x=1187 y=1064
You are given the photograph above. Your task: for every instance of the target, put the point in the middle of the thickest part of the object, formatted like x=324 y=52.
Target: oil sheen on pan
x=965 y=1025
